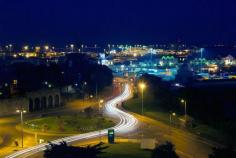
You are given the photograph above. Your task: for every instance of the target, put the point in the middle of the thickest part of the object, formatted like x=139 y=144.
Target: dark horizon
x=119 y=22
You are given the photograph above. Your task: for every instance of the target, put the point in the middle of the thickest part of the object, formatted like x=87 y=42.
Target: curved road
x=126 y=124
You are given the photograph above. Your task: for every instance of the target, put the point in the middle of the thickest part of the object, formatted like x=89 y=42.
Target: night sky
x=117 y=21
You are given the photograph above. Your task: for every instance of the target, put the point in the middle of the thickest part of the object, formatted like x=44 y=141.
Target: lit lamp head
x=46 y=48
x=72 y=46
x=173 y=114
x=142 y=86
x=26 y=48
x=19 y=111
x=182 y=100
x=101 y=101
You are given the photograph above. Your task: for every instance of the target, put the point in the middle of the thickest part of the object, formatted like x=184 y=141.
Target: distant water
x=219 y=52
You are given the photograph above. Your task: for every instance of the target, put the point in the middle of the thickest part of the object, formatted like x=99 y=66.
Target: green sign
x=111 y=136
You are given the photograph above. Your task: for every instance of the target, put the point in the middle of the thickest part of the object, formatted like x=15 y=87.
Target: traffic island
x=64 y=125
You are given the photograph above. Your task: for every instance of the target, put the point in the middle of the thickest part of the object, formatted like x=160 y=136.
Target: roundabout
x=127 y=123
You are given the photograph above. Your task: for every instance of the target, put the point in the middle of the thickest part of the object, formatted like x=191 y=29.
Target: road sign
x=111 y=136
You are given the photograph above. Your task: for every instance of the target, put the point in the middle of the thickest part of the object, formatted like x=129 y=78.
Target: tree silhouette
x=63 y=150
x=166 y=150
x=222 y=153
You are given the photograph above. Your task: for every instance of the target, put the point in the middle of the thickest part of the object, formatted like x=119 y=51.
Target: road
x=188 y=145
x=9 y=134
x=127 y=123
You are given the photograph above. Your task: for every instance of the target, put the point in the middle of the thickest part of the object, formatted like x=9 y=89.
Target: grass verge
x=152 y=110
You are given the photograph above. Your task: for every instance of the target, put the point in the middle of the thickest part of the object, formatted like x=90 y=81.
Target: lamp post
x=101 y=101
x=84 y=88
x=22 y=111
x=171 y=115
x=142 y=86
x=10 y=48
x=72 y=46
x=100 y=104
x=185 y=108
x=82 y=47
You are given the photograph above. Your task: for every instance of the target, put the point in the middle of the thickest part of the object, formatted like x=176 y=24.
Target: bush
x=166 y=150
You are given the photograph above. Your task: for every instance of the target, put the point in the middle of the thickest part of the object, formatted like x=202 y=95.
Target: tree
x=166 y=150
x=222 y=153
x=62 y=150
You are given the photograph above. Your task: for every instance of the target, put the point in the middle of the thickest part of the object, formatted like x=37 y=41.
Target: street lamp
x=101 y=101
x=10 y=47
x=142 y=86
x=72 y=46
x=100 y=104
x=46 y=48
x=82 y=47
x=185 y=108
x=172 y=114
x=26 y=48
x=84 y=88
x=22 y=111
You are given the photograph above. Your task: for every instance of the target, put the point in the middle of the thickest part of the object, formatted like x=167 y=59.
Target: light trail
x=126 y=124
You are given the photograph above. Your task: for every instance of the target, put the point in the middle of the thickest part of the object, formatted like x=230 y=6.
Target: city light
x=26 y=48
x=37 y=49
x=161 y=63
x=151 y=79
x=46 y=48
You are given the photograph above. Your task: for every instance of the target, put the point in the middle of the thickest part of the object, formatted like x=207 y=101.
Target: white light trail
x=126 y=124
